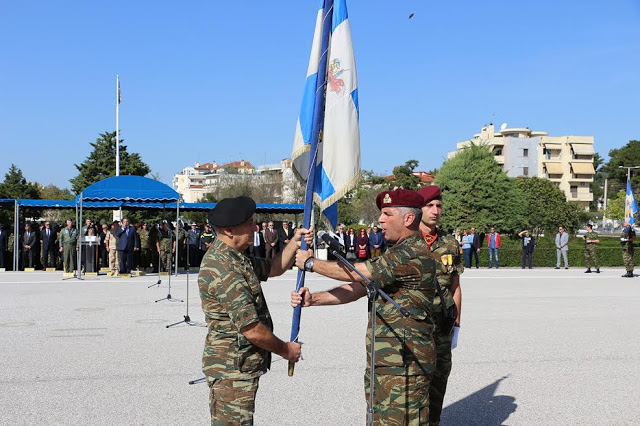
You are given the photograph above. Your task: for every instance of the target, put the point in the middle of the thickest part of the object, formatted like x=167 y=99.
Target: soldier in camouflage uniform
x=590 y=250
x=68 y=240
x=240 y=340
x=166 y=245
x=447 y=253
x=145 y=247
x=627 y=239
x=405 y=349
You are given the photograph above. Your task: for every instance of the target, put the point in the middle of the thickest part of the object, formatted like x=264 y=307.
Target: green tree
x=627 y=156
x=52 y=192
x=597 y=186
x=101 y=163
x=615 y=206
x=476 y=192
x=547 y=206
x=404 y=177
x=15 y=185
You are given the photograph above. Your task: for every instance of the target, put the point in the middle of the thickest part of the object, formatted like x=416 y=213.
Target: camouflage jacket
x=165 y=240
x=590 y=236
x=232 y=299
x=446 y=251
x=67 y=236
x=627 y=233
x=144 y=238
x=406 y=272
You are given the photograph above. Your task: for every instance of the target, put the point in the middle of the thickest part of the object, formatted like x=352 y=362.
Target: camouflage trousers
x=438 y=385
x=232 y=402
x=165 y=260
x=399 y=400
x=627 y=258
x=591 y=258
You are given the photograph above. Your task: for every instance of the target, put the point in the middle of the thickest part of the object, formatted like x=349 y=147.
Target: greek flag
x=630 y=206
x=338 y=155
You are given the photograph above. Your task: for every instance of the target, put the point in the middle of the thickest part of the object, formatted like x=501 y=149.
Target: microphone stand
x=373 y=290
x=169 y=298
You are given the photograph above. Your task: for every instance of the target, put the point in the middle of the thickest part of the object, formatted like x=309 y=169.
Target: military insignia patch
x=386 y=199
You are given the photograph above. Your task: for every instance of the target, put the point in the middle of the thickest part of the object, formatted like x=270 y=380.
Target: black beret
x=232 y=211
x=399 y=198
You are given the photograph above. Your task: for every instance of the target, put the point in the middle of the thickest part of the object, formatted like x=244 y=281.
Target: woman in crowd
x=351 y=241
x=466 y=248
x=363 y=245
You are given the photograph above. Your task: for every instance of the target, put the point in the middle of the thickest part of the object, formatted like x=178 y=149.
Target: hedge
x=544 y=255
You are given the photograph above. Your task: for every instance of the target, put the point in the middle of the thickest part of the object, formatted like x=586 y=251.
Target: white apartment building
x=565 y=160
x=193 y=183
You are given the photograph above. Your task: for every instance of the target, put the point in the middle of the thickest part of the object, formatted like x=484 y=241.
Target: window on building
x=525 y=152
x=574 y=191
x=525 y=171
x=497 y=151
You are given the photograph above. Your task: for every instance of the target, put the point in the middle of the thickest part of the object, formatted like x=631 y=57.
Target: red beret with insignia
x=399 y=198
x=429 y=193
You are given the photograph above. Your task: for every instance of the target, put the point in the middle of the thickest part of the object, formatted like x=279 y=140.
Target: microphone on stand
x=331 y=242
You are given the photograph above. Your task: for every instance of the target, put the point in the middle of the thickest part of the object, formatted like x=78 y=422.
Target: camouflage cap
x=399 y=198
x=232 y=211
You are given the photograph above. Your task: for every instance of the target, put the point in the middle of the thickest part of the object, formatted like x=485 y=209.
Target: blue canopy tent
x=127 y=189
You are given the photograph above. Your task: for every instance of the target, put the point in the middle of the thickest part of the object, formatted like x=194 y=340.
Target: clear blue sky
x=220 y=81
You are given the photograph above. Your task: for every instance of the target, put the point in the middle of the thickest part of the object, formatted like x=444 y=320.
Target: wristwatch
x=308 y=264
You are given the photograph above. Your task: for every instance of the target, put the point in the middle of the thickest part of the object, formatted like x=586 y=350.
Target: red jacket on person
x=497 y=240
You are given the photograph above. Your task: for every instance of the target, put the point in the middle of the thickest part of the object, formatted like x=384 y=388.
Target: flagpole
x=117 y=125
x=318 y=122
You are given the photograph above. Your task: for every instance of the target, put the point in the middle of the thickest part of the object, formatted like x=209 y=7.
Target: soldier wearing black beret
x=240 y=341
x=405 y=348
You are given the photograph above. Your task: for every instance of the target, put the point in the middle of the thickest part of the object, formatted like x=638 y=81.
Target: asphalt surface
x=537 y=347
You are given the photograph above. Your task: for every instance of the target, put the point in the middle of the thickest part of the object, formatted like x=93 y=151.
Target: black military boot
x=598 y=271
x=629 y=274
x=588 y=271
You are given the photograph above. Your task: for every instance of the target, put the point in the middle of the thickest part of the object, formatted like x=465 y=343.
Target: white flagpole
x=117 y=125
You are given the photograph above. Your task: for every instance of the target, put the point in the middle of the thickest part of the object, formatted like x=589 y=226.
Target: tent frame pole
x=16 y=239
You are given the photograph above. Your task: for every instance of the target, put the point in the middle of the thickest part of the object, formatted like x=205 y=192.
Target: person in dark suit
x=284 y=235
x=271 y=241
x=4 y=245
x=28 y=246
x=48 y=238
x=350 y=244
x=128 y=242
x=257 y=249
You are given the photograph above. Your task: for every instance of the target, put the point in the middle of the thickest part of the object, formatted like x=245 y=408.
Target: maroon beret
x=399 y=198
x=429 y=193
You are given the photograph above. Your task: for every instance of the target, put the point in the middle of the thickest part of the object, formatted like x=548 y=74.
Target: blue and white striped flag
x=630 y=206
x=338 y=156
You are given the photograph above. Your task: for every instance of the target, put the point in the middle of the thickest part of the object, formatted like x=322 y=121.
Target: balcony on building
x=582 y=172
x=553 y=171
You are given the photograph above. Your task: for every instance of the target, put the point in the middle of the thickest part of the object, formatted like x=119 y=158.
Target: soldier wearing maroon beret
x=405 y=348
x=446 y=312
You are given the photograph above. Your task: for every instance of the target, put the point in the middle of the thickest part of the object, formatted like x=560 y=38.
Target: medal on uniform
x=447 y=262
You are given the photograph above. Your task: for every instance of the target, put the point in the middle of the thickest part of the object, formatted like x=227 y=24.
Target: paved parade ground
x=537 y=347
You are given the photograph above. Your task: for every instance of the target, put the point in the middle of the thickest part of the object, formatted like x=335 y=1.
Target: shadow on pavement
x=483 y=407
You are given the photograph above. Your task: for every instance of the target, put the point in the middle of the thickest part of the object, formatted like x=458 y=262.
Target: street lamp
x=629 y=170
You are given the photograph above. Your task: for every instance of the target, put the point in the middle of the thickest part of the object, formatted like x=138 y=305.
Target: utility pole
x=604 y=215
